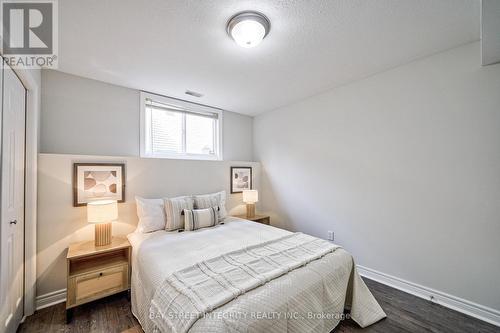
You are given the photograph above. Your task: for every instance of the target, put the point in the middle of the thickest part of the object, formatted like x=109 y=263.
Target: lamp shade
x=102 y=211
x=250 y=196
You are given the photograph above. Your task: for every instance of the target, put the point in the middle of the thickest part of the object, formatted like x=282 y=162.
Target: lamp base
x=102 y=234
x=250 y=210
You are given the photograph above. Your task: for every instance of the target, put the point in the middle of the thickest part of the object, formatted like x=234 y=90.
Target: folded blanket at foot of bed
x=312 y=299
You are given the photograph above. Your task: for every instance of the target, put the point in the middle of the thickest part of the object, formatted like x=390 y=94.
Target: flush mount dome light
x=248 y=29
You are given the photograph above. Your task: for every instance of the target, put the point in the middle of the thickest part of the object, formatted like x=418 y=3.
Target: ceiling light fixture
x=248 y=28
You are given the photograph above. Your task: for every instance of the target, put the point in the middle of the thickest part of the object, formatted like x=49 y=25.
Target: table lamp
x=250 y=197
x=102 y=213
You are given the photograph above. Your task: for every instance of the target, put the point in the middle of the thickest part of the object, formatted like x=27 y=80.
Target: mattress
x=271 y=307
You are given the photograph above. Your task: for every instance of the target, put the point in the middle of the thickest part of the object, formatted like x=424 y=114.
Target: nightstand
x=94 y=272
x=264 y=219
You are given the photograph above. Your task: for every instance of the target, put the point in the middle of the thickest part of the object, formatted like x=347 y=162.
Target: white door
x=12 y=198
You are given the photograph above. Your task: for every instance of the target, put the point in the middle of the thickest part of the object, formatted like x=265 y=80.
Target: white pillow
x=217 y=199
x=200 y=218
x=173 y=211
x=151 y=214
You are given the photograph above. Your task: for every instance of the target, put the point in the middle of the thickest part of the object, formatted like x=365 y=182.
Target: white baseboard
x=472 y=309
x=50 y=299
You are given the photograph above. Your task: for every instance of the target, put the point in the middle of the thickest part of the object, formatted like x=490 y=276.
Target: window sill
x=183 y=157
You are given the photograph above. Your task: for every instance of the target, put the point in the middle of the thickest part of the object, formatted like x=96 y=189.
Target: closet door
x=12 y=198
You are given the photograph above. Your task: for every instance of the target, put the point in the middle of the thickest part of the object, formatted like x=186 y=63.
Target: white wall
x=59 y=223
x=404 y=166
x=84 y=116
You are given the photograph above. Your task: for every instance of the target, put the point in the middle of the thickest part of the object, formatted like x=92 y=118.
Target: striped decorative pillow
x=173 y=211
x=200 y=218
x=217 y=199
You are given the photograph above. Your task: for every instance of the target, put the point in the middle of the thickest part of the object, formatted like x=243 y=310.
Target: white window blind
x=180 y=130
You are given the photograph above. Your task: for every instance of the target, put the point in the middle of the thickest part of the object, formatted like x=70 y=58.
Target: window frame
x=189 y=106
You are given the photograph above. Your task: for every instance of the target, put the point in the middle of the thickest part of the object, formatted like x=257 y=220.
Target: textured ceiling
x=168 y=47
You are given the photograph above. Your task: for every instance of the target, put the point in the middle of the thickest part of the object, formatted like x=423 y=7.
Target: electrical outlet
x=331 y=235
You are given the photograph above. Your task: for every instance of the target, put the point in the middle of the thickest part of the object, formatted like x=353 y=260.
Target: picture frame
x=98 y=181
x=241 y=179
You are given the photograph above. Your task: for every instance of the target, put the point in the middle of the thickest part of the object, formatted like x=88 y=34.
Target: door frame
x=33 y=99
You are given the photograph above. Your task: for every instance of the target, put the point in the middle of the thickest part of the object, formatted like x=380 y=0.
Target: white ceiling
x=167 y=46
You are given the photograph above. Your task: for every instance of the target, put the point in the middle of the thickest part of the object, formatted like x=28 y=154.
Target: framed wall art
x=241 y=179
x=98 y=181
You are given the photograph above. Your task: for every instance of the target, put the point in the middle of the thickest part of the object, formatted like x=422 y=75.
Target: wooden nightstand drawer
x=96 y=271
x=98 y=284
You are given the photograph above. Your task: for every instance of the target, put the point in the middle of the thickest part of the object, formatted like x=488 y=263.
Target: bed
x=305 y=297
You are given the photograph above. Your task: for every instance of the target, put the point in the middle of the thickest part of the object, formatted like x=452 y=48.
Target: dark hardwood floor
x=405 y=313
x=408 y=313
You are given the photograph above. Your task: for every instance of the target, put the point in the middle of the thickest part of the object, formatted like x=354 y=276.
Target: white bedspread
x=310 y=298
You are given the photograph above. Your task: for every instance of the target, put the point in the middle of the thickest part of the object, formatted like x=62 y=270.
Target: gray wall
x=404 y=166
x=83 y=116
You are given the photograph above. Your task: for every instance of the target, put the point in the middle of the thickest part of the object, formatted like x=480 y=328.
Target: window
x=173 y=128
